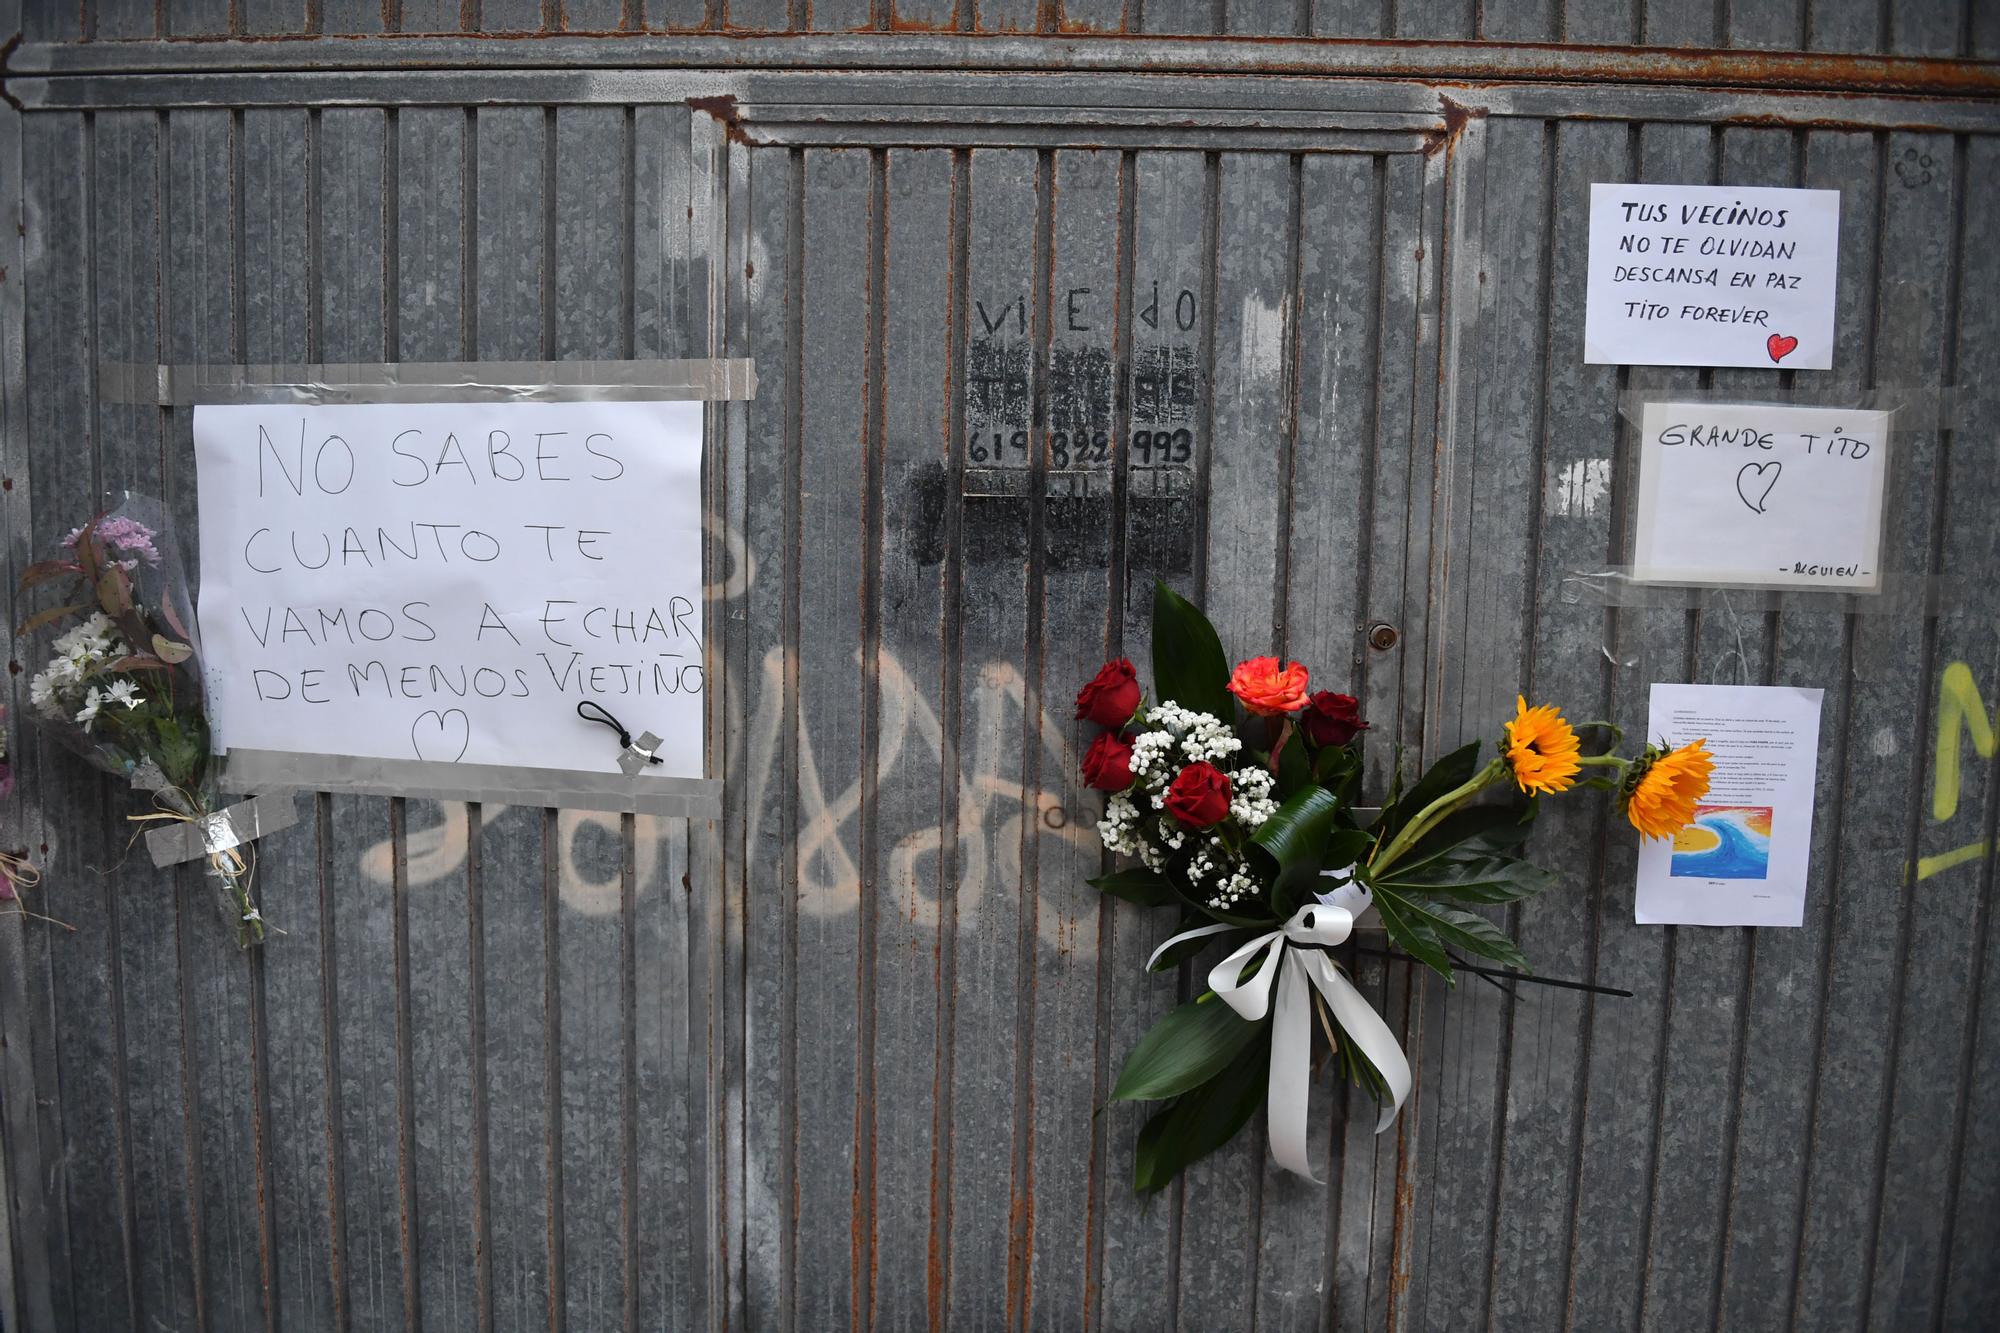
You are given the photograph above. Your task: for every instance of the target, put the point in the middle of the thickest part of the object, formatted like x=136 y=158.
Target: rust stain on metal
x=722 y=106
x=933 y=1251
x=900 y=24
x=1480 y=62
x=6 y=58
x=1021 y=1222
x=1456 y=117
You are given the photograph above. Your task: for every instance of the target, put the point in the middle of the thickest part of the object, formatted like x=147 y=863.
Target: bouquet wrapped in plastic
x=122 y=687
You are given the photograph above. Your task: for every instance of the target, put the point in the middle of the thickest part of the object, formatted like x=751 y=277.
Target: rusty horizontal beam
x=1430 y=61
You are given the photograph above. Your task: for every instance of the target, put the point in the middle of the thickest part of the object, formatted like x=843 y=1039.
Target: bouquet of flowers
x=122 y=686
x=1237 y=791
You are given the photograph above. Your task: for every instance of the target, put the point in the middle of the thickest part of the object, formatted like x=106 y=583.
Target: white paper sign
x=1743 y=860
x=1761 y=496
x=446 y=581
x=1711 y=275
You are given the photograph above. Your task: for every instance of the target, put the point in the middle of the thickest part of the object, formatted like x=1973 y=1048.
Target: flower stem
x=1430 y=815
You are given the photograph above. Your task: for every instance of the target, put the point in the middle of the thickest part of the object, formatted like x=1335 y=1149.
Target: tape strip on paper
x=1901 y=594
x=246 y=821
x=489 y=784
x=709 y=380
x=1913 y=407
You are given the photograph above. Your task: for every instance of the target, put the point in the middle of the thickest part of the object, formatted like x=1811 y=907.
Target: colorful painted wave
x=1725 y=842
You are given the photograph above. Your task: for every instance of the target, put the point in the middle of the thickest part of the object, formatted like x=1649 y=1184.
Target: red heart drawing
x=1780 y=346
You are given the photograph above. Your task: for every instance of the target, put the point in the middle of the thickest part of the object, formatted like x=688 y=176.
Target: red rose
x=1111 y=697
x=1332 y=719
x=1199 y=796
x=1107 y=764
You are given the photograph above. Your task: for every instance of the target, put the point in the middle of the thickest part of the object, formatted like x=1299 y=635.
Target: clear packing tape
x=1912 y=409
x=1917 y=407
x=246 y=821
x=1901 y=594
x=709 y=380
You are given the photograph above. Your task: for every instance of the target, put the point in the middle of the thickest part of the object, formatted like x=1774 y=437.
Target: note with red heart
x=1711 y=275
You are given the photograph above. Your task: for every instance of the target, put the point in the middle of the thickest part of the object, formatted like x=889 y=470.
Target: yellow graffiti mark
x=1943 y=861
x=1959 y=706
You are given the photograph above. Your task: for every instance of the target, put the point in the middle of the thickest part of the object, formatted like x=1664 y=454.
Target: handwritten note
x=1742 y=860
x=446 y=581
x=1760 y=496
x=1710 y=275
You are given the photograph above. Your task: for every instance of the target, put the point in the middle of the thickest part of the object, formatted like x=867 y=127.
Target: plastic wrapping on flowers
x=121 y=681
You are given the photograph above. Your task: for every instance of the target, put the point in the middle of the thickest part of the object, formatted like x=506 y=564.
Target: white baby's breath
x=1170 y=738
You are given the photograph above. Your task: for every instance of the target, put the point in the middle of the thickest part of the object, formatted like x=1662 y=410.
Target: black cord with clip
x=604 y=718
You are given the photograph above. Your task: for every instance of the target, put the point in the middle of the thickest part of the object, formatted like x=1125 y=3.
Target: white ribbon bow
x=1325 y=922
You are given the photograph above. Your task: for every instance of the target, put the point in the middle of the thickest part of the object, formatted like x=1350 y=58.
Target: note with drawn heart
x=1754 y=483
x=438 y=585
x=1756 y=495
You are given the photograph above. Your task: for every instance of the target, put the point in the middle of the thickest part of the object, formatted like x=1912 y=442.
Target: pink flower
x=127 y=536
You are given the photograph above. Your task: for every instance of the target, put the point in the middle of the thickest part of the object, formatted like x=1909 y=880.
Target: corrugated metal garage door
x=1296 y=327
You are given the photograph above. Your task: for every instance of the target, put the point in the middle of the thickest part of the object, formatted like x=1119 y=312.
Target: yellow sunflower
x=1664 y=787
x=1541 y=749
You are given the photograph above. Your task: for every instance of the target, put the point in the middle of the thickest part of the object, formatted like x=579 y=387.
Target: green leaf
x=48 y=617
x=44 y=570
x=1294 y=770
x=1454 y=770
x=171 y=651
x=114 y=592
x=1202 y=1121
x=1336 y=767
x=1148 y=888
x=1477 y=879
x=173 y=617
x=1184 y=1050
x=139 y=662
x=1459 y=929
x=1188 y=663
x=1346 y=847
x=1474 y=832
x=1410 y=934
x=1296 y=835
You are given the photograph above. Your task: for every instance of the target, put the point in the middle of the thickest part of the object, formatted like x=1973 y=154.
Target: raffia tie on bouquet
x=19 y=872
x=1297 y=966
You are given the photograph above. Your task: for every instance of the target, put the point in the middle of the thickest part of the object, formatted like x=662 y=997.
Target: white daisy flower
x=91 y=703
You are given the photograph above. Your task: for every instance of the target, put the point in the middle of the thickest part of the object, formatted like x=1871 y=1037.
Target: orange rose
x=1267 y=689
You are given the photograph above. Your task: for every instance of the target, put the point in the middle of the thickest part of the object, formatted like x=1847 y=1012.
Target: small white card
x=1742 y=862
x=1712 y=275
x=1761 y=496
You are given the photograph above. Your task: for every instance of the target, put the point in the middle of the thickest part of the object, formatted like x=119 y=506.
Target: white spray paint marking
x=1884 y=742
x=1580 y=487
x=1261 y=347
